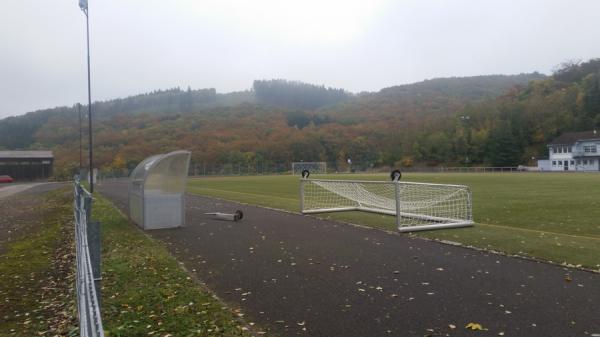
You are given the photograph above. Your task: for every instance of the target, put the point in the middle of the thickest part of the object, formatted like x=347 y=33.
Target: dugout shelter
x=157 y=191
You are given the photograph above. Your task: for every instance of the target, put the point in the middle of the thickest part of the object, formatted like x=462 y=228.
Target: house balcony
x=583 y=154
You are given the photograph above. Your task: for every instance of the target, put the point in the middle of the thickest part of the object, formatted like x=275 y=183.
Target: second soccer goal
x=319 y=167
x=416 y=206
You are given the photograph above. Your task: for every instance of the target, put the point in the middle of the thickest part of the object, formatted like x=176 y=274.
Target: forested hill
x=457 y=121
x=297 y=95
x=474 y=87
x=21 y=132
x=437 y=98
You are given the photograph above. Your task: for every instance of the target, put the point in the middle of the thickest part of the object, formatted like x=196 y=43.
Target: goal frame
x=440 y=222
x=299 y=163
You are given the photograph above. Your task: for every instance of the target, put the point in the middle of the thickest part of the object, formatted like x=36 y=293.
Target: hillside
x=439 y=97
x=403 y=125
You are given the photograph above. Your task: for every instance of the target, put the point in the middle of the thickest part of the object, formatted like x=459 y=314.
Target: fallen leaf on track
x=474 y=326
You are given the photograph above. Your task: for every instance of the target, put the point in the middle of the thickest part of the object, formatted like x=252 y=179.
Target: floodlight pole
x=80 y=139
x=84 y=7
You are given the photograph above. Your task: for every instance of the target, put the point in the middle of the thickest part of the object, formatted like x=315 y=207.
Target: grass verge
x=546 y=216
x=36 y=271
x=146 y=293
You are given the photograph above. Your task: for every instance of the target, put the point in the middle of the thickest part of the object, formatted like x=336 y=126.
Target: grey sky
x=143 y=45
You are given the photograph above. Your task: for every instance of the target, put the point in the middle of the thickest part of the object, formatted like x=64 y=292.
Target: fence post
x=398 y=208
x=94 y=243
x=87 y=204
x=95 y=248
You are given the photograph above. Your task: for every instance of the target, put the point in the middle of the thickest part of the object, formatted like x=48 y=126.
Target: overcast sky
x=359 y=45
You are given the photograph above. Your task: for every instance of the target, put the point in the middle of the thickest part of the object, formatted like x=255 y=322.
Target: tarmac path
x=298 y=275
x=8 y=190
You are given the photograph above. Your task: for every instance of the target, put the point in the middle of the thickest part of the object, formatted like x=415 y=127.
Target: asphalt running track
x=297 y=275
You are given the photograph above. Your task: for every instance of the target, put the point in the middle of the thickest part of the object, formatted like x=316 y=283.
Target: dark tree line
x=296 y=95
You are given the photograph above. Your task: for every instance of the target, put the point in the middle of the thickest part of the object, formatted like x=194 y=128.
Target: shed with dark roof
x=27 y=165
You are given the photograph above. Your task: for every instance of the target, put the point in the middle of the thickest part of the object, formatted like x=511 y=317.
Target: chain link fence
x=87 y=247
x=234 y=169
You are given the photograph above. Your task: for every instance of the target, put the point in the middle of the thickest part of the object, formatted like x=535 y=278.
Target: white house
x=574 y=151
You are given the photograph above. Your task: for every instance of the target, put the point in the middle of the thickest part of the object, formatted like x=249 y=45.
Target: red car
x=6 y=179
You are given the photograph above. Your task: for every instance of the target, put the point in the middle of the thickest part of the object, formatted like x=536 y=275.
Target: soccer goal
x=319 y=167
x=416 y=206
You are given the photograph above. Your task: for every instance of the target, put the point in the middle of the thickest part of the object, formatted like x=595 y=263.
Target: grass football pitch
x=551 y=216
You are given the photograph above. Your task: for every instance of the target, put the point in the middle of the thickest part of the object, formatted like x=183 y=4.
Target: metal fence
x=478 y=169
x=203 y=169
x=87 y=247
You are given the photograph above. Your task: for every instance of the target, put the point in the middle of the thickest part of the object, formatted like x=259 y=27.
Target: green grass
x=146 y=293
x=555 y=217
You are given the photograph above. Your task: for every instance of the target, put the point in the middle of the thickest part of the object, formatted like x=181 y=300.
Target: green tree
x=503 y=148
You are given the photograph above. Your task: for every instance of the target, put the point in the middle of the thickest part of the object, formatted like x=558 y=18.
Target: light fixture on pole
x=83 y=4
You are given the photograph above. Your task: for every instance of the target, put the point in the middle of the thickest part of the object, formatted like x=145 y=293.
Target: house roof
x=568 y=138
x=25 y=154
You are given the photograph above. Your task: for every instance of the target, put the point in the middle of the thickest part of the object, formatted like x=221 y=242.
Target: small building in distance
x=573 y=151
x=27 y=165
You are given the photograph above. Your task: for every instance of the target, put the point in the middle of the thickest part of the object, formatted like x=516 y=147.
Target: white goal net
x=416 y=206
x=319 y=167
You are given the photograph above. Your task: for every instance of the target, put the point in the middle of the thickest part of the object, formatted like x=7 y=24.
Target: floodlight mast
x=80 y=139
x=83 y=4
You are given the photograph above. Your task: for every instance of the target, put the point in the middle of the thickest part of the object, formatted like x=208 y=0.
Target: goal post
x=319 y=167
x=416 y=206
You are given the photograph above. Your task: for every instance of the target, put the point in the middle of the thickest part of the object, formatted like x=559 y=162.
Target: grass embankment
x=146 y=293
x=548 y=216
x=36 y=275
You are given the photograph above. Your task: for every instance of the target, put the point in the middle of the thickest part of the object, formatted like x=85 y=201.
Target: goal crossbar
x=416 y=206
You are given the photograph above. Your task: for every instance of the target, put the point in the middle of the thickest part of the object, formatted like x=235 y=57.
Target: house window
x=559 y=149
x=585 y=162
x=578 y=162
x=572 y=162
x=589 y=149
x=554 y=163
x=560 y=163
x=570 y=149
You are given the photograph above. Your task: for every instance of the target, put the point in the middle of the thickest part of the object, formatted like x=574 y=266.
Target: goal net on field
x=319 y=167
x=416 y=206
